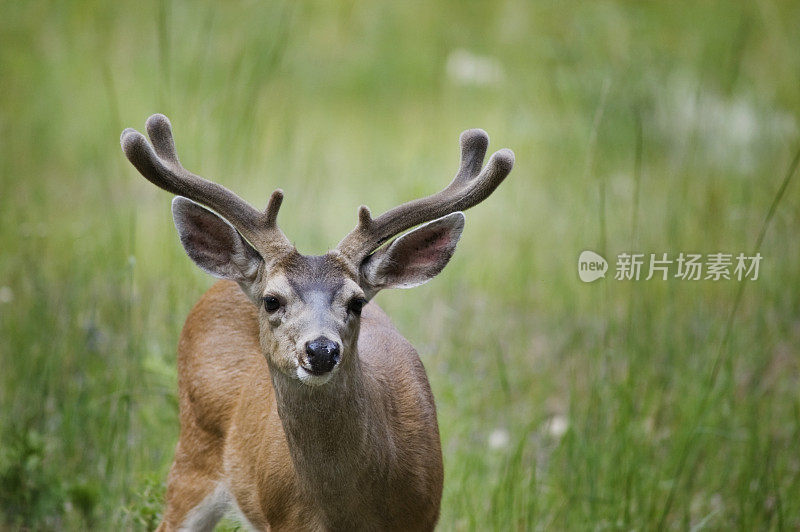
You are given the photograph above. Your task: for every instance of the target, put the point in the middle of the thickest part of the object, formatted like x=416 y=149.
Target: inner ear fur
x=414 y=258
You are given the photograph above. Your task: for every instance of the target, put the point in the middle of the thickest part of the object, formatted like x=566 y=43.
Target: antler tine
x=470 y=186
x=159 y=164
x=273 y=206
x=159 y=129
x=473 y=149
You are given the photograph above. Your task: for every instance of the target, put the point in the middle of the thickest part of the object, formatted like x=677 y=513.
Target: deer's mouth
x=315 y=372
x=307 y=375
x=315 y=376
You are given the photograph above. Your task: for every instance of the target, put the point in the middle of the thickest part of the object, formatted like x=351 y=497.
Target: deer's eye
x=271 y=303
x=356 y=304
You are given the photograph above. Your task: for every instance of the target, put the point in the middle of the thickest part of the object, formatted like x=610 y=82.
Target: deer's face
x=309 y=307
x=309 y=312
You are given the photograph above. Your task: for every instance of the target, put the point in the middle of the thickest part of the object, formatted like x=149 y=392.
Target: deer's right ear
x=213 y=244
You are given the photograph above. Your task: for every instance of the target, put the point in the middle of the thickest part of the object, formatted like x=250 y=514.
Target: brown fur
x=377 y=454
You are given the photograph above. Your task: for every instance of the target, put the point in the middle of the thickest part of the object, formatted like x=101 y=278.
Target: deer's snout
x=323 y=354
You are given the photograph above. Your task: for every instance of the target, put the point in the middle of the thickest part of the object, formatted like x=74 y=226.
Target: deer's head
x=310 y=306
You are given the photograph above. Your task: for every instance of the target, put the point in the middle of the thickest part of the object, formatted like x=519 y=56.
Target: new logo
x=591 y=266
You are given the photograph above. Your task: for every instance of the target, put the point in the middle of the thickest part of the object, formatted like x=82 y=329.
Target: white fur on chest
x=206 y=515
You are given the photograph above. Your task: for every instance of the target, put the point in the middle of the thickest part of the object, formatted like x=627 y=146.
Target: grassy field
x=648 y=128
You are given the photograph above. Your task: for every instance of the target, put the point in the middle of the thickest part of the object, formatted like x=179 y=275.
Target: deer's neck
x=338 y=435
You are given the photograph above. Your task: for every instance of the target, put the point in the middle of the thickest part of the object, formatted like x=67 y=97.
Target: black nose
x=323 y=354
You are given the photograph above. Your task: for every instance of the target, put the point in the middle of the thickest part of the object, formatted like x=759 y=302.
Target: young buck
x=300 y=404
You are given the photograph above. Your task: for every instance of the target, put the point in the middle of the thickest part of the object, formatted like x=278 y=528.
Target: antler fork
x=160 y=165
x=470 y=186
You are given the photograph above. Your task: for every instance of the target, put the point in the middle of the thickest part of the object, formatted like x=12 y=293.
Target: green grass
x=637 y=127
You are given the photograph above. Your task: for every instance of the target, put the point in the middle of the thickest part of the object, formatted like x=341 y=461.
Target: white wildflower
x=6 y=294
x=557 y=426
x=499 y=439
x=465 y=68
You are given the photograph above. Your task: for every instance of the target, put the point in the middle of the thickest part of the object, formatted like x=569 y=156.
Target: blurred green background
x=646 y=127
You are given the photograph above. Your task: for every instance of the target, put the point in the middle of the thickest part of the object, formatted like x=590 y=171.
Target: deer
x=301 y=405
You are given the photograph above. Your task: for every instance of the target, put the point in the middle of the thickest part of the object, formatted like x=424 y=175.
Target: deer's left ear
x=414 y=258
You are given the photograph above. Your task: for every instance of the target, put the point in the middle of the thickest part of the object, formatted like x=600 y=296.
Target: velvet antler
x=470 y=186
x=160 y=165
